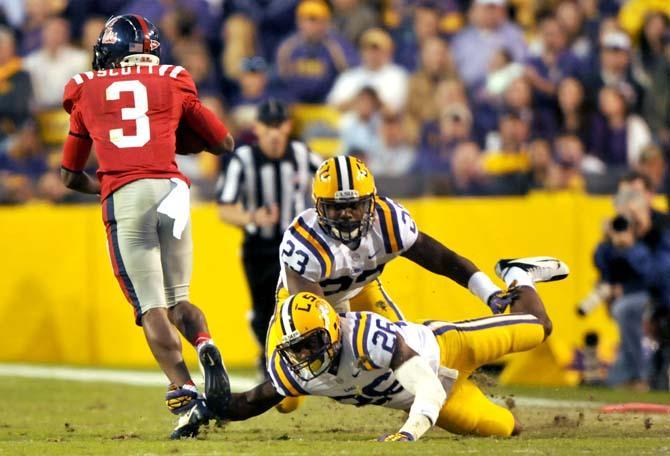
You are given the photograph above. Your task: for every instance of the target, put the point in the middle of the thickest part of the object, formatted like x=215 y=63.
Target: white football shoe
x=540 y=269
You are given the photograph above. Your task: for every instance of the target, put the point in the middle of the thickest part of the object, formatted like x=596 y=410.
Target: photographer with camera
x=634 y=260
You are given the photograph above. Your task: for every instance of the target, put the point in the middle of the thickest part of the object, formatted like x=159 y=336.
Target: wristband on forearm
x=482 y=286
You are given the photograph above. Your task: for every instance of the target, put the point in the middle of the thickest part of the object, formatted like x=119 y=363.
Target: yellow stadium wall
x=60 y=303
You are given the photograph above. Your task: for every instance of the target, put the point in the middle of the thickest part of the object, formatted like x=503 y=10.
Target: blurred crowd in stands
x=460 y=97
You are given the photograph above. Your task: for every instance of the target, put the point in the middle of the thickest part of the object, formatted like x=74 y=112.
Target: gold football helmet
x=344 y=196
x=310 y=334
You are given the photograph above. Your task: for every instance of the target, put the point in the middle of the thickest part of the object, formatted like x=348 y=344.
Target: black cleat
x=189 y=423
x=217 y=384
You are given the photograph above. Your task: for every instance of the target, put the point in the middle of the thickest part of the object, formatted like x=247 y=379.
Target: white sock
x=518 y=275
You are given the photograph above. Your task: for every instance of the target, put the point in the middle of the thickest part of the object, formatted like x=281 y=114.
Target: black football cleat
x=217 y=384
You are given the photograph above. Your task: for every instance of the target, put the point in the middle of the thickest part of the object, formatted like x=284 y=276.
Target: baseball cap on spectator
x=491 y=2
x=616 y=40
x=376 y=37
x=313 y=9
x=256 y=64
x=272 y=112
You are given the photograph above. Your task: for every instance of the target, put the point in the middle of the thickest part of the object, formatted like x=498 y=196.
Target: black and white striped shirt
x=255 y=180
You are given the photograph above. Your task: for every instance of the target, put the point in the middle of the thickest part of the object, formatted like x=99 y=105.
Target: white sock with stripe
x=518 y=275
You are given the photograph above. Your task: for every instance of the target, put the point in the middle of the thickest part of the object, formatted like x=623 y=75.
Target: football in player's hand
x=188 y=141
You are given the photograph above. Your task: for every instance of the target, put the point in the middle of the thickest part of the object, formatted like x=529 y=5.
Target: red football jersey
x=131 y=115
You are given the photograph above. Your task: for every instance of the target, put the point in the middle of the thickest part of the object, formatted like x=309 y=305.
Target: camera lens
x=620 y=223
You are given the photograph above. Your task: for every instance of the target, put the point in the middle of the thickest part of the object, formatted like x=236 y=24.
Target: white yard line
x=238 y=383
x=125 y=377
x=523 y=401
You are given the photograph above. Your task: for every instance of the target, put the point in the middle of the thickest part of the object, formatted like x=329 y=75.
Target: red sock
x=201 y=338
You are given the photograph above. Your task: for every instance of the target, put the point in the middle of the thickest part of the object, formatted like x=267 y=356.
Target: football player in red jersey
x=130 y=107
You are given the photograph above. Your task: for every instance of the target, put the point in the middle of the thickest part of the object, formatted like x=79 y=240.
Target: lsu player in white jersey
x=362 y=358
x=339 y=248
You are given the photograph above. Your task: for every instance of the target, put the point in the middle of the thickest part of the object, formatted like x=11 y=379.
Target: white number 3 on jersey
x=138 y=113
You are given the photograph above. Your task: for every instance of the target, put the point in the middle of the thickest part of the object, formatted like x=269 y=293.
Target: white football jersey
x=363 y=375
x=342 y=272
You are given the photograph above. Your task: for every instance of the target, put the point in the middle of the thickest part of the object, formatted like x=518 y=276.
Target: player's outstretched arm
x=80 y=181
x=415 y=375
x=253 y=402
x=435 y=257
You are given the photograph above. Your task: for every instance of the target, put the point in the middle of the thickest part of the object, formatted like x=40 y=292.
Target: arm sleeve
x=78 y=144
x=601 y=261
x=641 y=260
x=300 y=252
x=71 y=94
x=374 y=339
x=398 y=228
x=231 y=182
x=204 y=122
x=198 y=117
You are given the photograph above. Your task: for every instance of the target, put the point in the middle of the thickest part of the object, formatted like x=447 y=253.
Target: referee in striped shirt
x=261 y=189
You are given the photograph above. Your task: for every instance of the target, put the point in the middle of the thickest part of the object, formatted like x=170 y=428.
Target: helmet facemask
x=346 y=220
x=309 y=355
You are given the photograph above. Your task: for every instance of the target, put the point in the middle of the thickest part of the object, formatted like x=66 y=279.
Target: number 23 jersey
x=363 y=375
x=340 y=271
x=131 y=114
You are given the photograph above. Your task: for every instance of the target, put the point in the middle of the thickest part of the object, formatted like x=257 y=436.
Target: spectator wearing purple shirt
x=571 y=17
x=440 y=138
x=554 y=63
x=489 y=30
x=275 y=18
x=614 y=69
x=573 y=116
x=423 y=24
x=617 y=137
x=309 y=61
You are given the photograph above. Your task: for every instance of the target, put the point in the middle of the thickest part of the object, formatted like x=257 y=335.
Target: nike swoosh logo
x=356 y=374
x=370 y=257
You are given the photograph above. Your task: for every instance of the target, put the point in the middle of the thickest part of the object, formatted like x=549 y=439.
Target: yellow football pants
x=467 y=345
x=372 y=298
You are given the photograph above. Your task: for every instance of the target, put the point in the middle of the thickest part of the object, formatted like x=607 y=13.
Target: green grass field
x=42 y=417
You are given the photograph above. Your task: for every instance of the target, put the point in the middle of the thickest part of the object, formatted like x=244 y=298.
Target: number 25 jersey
x=132 y=114
x=342 y=272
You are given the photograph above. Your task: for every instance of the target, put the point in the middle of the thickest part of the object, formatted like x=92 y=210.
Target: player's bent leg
x=529 y=302
x=467 y=345
x=373 y=298
x=524 y=273
x=190 y=321
x=165 y=345
x=468 y=411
